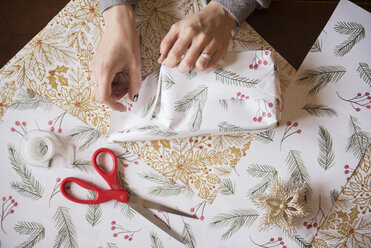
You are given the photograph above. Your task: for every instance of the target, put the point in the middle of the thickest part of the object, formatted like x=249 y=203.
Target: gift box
x=241 y=95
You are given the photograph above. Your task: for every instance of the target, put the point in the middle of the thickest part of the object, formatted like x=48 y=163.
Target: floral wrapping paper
x=323 y=135
x=228 y=100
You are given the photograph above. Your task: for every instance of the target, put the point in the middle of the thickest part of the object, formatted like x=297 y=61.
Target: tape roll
x=38 y=148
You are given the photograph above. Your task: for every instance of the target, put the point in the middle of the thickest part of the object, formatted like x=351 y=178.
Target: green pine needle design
x=165 y=187
x=319 y=110
x=265 y=137
x=228 y=187
x=356 y=33
x=326 y=153
x=317 y=46
x=192 y=99
x=320 y=77
x=299 y=173
x=301 y=242
x=110 y=245
x=189 y=236
x=84 y=165
x=86 y=134
x=66 y=236
x=124 y=209
x=234 y=221
x=155 y=241
x=224 y=104
x=262 y=170
x=94 y=214
x=29 y=187
x=35 y=231
x=334 y=195
x=157 y=131
x=231 y=128
x=359 y=140
x=196 y=119
x=167 y=81
x=190 y=75
x=148 y=107
x=258 y=189
x=23 y=102
x=232 y=78
x=365 y=72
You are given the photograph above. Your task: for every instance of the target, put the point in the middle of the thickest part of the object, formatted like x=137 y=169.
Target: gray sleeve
x=241 y=9
x=105 y=4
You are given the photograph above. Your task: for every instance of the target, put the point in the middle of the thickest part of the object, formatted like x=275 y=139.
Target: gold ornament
x=283 y=205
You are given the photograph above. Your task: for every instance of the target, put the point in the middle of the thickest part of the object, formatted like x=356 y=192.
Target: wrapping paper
x=230 y=99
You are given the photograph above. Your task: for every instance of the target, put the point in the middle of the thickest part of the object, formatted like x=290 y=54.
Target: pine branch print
x=29 y=187
x=263 y=171
x=265 y=137
x=232 y=78
x=258 y=189
x=35 y=231
x=190 y=75
x=319 y=110
x=84 y=165
x=124 y=209
x=224 y=104
x=192 y=99
x=359 y=140
x=231 y=128
x=24 y=102
x=317 y=46
x=326 y=153
x=86 y=134
x=148 y=107
x=334 y=195
x=301 y=242
x=155 y=241
x=196 y=119
x=356 y=33
x=234 y=221
x=67 y=235
x=299 y=173
x=320 y=77
x=165 y=187
x=157 y=131
x=94 y=214
x=228 y=187
x=365 y=72
x=188 y=235
x=167 y=81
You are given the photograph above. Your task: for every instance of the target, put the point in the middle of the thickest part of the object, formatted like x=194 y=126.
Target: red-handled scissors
x=118 y=193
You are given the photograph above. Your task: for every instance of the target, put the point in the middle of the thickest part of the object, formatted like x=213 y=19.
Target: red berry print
x=265 y=62
x=251 y=66
x=50 y=123
x=17 y=123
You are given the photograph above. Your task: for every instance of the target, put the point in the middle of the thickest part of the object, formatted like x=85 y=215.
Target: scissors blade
x=156 y=221
x=158 y=206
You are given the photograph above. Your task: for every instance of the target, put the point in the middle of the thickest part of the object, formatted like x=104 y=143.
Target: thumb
x=135 y=82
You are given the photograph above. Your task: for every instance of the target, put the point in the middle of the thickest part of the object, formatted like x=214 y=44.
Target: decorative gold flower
x=283 y=205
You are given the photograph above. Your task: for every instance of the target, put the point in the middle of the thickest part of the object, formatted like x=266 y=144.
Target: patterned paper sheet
x=55 y=64
x=319 y=144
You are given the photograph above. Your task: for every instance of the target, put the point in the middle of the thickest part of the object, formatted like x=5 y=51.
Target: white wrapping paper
x=242 y=95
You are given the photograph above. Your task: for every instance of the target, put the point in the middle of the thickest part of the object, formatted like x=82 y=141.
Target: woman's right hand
x=118 y=50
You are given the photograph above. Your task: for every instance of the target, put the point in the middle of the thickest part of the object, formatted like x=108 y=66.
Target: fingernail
x=135 y=98
x=159 y=54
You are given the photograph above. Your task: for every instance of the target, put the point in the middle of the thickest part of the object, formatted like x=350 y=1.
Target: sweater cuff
x=240 y=10
x=105 y=4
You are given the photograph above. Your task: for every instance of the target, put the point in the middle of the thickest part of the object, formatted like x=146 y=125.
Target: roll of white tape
x=38 y=148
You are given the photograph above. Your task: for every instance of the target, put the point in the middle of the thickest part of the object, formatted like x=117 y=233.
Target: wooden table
x=289 y=26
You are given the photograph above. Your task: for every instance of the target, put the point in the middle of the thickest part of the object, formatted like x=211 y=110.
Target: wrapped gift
x=241 y=95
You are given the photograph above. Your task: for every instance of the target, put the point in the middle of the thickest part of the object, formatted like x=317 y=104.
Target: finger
x=135 y=82
x=188 y=62
x=167 y=43
x=104 y=92
x=119 y=90
x=216 y=58
x=177 y=51
x=202 y=61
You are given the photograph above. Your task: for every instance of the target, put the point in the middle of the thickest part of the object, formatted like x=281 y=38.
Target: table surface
x=23 y=19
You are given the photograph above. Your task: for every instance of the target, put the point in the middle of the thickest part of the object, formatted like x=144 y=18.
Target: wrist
x=122 y=13
x=227 y=17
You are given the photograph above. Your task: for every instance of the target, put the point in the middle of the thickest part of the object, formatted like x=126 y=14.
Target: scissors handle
x=111 y=176
x=101 y=195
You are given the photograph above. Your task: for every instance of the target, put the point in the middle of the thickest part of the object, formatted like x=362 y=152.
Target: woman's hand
x=118 y=50
x=205 y=34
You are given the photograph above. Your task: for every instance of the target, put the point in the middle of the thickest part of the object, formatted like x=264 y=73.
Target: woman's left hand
x=199 y=41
